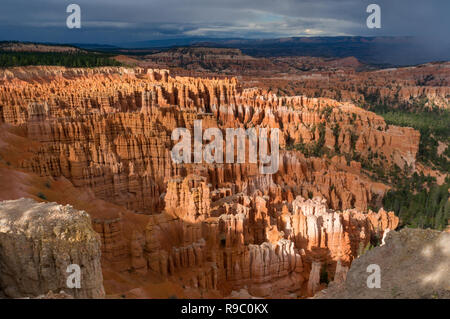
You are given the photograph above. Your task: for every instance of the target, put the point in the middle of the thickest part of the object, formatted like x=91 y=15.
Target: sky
x=122 y=21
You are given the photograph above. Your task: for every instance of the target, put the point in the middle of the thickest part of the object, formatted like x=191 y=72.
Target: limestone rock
x=38 y=241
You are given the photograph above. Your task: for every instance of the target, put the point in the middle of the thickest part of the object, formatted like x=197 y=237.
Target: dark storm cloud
x=114 y=21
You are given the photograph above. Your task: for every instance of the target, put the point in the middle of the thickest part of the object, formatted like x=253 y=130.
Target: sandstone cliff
x=100 y=140
x=247 y=241
x=118 y=139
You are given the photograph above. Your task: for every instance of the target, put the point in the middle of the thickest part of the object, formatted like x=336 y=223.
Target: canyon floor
x=99 y=140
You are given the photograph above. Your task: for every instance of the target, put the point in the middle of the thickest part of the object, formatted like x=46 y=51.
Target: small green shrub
x=42 y=196
x=324 y=275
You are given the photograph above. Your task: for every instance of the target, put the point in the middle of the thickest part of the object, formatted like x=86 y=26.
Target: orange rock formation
x=208 y=227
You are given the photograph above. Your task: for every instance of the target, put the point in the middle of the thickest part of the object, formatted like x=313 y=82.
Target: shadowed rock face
x=38 y=241
x=414 y=263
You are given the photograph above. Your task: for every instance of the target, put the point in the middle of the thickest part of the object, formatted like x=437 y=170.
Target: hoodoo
x=190 y=229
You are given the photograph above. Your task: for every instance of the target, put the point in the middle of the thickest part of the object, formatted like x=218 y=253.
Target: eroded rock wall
x=118 y=143
x=250 y=241
x=209 y=227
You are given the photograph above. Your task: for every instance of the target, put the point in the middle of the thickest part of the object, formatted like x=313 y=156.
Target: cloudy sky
x=121 y=21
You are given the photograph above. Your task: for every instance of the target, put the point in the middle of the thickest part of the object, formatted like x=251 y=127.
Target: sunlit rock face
x=118 y=138
x=211 y=229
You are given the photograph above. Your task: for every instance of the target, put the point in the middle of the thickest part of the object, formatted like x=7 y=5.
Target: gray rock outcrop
x=413 y=264
x=38 y=241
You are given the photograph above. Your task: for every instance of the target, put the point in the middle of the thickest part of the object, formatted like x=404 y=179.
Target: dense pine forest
x=420 y=202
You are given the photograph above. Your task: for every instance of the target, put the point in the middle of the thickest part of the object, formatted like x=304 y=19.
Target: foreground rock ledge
x=37 y=243
x=414 y=263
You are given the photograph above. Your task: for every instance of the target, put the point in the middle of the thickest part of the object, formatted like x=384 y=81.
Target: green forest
x=10 y=59
x=420 y=202
x=417 y=199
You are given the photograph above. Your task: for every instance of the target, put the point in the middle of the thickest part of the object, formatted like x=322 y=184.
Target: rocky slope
x=414 y=263
x=100 y=139
x=38 y=241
